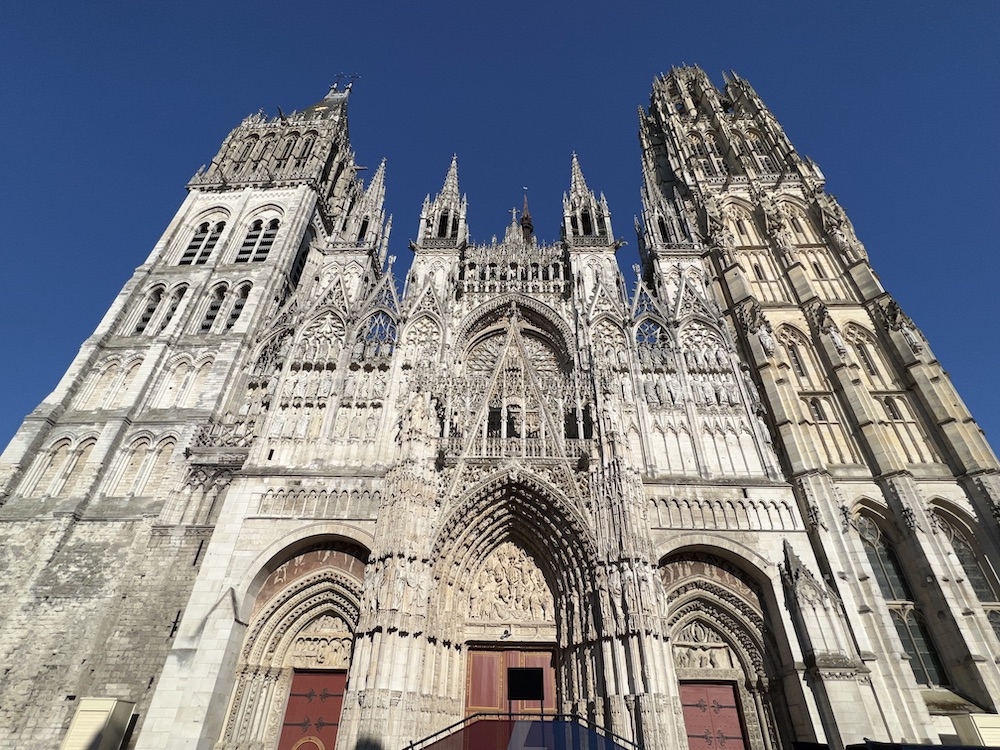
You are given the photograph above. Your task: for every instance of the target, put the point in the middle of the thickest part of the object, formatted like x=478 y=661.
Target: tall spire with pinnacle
x=376 y=188
x=584 y=215
x=449 y=191
x=443 y=218
x=364 y=224
x=527 y=228
x=577 y=185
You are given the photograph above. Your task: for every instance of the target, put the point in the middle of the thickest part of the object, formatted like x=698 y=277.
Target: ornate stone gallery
x=281 y=500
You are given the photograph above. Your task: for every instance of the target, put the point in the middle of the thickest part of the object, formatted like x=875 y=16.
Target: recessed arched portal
x=726 y=653
x=292 y=672
x=515 y=562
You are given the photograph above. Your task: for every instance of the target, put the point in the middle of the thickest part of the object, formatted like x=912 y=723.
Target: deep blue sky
x=110 y=107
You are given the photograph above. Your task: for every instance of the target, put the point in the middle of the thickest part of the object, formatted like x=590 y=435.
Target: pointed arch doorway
x=727 y=653
x=293 y=667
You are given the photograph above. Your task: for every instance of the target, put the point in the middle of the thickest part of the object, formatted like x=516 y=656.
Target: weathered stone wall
x=87 y=610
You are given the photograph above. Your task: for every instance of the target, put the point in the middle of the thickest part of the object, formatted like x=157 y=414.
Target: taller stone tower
x=276 y=503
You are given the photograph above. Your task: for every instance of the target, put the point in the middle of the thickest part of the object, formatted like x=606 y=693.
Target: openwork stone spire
x=586 y=218
x=443 y=219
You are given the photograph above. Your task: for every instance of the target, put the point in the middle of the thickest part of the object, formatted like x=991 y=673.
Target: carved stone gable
x=526 y=395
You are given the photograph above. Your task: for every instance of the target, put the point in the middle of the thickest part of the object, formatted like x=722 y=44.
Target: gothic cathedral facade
x=277 y=501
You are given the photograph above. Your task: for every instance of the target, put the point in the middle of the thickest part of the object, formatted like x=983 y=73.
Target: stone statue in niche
x=399 y=584
x=510 y=587
x=766 y=339
x=374 y=577
x=838 y=227
x=773 y=218
x=842 y=244
x=714 y=218
x=357 y=424
x=651 y=397
x=828 y=327
x=627 y=392
x=783 y=240
x=615 y=593
x=910 y=336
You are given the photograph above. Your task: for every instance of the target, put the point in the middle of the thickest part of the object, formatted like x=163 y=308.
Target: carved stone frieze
x=510 y=587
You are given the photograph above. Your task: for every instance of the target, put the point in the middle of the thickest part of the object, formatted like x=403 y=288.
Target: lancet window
x=873 y=368
x=199 y=249
x=182 y=384
x=100 y=386
x=258 y=241
x=142 y=468
x=895 y=589
x=175 y=300
x=212 y=311
x=378 y=337
x=51 y=465
x=286 y=150
x=266 y=146
x=239 y=302
x=978 y=573
x=909 y=435
x=715 y=153
x=823 y=416
x=75 y=483
x=758 y=150
x=153 y=300
x=822 y=269
x=918 y=645
x=744 y=226
x=799 y=359
x=299 y=262
x=246 y=150
x=447 y=225
x=120 y=397
x=701 y=154
x=653 y=344
x=305 y=150
x=764 y=275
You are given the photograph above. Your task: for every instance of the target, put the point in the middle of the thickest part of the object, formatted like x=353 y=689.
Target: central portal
x=488 y=679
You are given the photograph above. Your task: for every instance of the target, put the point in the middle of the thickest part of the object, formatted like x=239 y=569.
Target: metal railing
x=451 y=728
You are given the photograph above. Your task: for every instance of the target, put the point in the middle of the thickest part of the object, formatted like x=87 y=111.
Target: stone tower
x=275 y=502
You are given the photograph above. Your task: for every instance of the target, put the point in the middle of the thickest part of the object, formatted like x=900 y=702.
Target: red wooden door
x=312 y=716
x=486 y=680
x=712 y=716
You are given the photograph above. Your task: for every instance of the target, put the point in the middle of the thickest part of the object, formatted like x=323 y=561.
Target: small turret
x=443 y=219
x=364 y=222
x=584 y=215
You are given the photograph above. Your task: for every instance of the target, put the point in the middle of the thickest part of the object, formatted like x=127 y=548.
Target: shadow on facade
x=368 y=743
